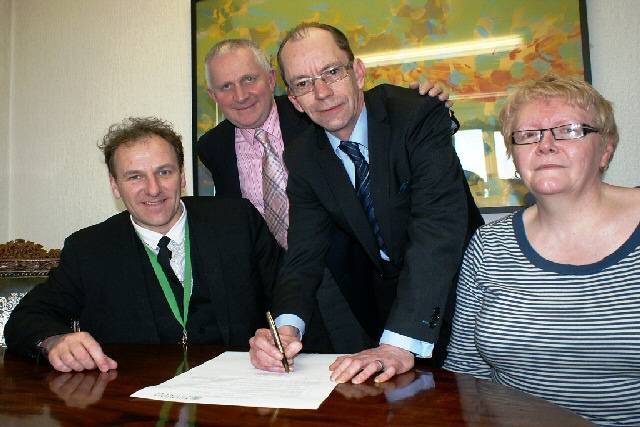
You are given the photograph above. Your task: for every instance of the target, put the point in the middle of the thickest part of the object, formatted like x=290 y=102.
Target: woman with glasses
x=549 y=297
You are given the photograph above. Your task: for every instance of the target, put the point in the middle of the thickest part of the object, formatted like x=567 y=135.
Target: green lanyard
x=165 y=410
x=166 y=288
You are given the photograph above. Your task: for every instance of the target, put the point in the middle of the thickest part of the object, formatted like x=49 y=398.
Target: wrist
x=290 y=330
x=397 y=349
x=47 y=344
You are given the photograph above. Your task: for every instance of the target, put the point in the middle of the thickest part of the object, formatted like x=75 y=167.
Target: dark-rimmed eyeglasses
x=560 y=133
x=304 y=85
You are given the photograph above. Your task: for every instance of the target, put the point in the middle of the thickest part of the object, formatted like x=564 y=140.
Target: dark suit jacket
x=104 y=279
x=217 y=147
x=421 y=200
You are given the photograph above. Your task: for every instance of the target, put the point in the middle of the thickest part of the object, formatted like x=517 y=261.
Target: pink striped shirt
x=249 y=153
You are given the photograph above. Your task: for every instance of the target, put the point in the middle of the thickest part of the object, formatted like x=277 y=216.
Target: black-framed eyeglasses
x=560 y=133
x=304 y=85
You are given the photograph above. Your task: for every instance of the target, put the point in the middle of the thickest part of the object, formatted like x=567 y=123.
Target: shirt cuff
x=291 y=320
x=419 y=348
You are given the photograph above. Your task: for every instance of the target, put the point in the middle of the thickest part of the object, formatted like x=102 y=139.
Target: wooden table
x=35 y=395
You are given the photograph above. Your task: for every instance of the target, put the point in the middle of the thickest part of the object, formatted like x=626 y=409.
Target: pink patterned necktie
x=274 y=183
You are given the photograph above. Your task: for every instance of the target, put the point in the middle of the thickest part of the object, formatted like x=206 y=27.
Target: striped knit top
x=569 y=334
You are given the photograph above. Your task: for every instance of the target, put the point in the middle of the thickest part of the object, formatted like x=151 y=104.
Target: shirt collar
x=271 y=125
x=151 y=238
x=359 y=135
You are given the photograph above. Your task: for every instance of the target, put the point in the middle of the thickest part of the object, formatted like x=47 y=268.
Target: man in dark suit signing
x=168 y=270
x=381 y=167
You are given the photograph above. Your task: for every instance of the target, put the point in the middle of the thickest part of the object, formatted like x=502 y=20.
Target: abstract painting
x=477 y=49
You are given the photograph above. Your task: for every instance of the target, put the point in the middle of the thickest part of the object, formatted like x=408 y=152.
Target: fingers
x=424 y=88
x=290 y=341
x=437 y=91
x=433 y=91
x=78 y=351
x=369 y=370
x=441 y=94
x=292 y=349
x=265 y=355
x=354 y=369
x=67 y=357
x=385 y=360
x=111 y=364
x=428 y=88
x=386 y=375
x=345 y=367
x=98 y=358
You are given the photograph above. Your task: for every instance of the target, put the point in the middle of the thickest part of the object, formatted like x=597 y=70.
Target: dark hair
x=133 y=129
x=301 y=31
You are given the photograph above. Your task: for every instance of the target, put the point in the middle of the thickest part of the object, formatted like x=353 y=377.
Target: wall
x=615 y=62
x=78 y=66
x=5 y=165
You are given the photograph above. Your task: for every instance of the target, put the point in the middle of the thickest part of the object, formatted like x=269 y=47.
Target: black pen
x=276 y=339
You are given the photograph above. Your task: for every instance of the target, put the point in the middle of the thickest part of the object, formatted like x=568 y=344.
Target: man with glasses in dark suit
x=379 y=166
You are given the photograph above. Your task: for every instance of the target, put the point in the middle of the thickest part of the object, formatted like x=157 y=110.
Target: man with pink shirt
x=241 y=81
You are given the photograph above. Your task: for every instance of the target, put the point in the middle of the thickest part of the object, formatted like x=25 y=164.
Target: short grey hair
x=228 y=45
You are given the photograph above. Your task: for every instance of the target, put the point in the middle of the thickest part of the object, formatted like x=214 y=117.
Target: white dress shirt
x=176 y=245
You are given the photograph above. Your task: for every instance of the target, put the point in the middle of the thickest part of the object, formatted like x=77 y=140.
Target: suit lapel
x=229 y=152
x=379 y=140
x=133 y=262
x=344 y=193
x=206 y=269
x=292 y=122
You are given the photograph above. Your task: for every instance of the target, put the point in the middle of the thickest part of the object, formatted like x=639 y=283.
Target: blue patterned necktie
x=363 y=187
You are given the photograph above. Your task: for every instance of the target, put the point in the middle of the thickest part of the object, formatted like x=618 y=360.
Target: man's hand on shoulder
x=265 y=355
x=384 y=360
x=77 y=351
x=428 y=88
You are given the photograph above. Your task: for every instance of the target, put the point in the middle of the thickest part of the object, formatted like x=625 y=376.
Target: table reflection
x=32 y=394
x=80 y=389
x=399 y=388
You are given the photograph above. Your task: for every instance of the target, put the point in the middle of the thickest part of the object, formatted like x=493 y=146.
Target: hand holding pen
x=277 y=341
x=266 y=355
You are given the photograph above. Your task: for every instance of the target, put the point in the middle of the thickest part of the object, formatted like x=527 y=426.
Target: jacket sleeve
x=49 y=308
x=437 y=226
x=308 y=240
x=267 y=253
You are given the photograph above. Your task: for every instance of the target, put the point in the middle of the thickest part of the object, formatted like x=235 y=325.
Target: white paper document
x=230 y=379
